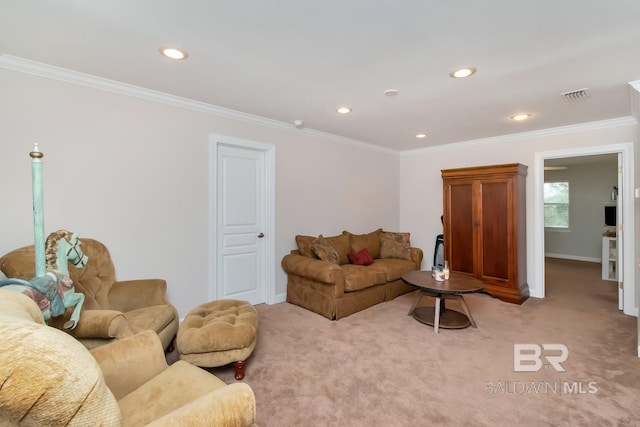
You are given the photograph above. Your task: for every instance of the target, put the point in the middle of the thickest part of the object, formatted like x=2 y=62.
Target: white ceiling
x=299 y=60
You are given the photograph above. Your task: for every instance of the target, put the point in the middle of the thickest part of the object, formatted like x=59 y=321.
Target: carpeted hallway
x=381 y=367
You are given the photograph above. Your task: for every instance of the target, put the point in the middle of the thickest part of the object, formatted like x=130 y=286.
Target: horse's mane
x=51 y=247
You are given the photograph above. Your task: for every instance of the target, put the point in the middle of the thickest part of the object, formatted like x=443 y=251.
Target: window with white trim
x=556 y=205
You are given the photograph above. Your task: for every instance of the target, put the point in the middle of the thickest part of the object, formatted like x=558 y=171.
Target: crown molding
x=560 y=130
x=74 y=77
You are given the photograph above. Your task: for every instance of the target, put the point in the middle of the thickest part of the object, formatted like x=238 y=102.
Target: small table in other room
x=439 y=316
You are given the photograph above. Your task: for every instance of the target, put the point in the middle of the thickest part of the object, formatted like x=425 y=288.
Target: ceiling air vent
x=575 y=95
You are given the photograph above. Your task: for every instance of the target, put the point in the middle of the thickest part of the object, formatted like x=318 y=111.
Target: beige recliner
x=112 y=309
x=49 y=379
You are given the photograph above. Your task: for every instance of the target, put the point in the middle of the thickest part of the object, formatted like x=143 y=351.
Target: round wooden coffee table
x=440 y=316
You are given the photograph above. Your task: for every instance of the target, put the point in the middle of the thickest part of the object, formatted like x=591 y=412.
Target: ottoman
x=218 y=333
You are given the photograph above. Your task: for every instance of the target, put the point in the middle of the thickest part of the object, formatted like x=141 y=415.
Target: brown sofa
x=49 y=379
x=331 y=285
x=112 y=309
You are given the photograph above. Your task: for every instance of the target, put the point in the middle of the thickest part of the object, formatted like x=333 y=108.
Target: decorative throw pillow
x=342 y=245
x=324 y=250
x=362 y=257
x=304 y=245
x=371 y=241
x=395 y=245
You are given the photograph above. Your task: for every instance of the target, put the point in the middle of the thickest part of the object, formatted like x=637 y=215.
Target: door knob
x=260 y=236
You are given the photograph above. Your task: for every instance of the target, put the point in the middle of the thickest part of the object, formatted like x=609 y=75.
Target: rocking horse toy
x=54 y=292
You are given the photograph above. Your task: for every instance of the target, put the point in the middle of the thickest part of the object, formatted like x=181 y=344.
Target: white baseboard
x=278 y=299
x=574 y=257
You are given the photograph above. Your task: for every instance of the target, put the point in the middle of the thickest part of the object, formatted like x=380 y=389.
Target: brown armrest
x=130 y=295
x=128 y=363
x=96 y=324
x=315 y=269
x=416 y=256
x=233 y=405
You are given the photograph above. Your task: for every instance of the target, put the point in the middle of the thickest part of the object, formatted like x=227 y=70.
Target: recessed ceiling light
x=462 y=72
x=174 y=53
x=344 y=110
x=520 y=116
x=391 y=92
x=421 y=135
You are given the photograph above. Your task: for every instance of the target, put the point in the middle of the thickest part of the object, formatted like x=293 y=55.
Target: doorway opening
x=625 y=228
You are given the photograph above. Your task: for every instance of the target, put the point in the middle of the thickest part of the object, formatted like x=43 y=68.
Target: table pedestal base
x=449 y=319
x=439 y=316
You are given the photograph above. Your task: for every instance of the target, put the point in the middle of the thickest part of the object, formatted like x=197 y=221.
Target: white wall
x=421 y=182
x=133 y=174
x=590 y=185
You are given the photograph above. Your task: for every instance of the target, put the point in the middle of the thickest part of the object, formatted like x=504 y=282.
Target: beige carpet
x=381 y=367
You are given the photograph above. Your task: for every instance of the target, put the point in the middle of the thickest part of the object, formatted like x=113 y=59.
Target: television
x=610 y=214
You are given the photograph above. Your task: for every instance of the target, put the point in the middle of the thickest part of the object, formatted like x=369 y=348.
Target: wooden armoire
x=485 y=229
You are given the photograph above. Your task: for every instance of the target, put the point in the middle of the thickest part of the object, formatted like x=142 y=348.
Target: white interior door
x=240 y=224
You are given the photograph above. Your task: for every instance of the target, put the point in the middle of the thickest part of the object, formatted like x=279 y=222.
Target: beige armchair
x=112 y=309
x=50 y=379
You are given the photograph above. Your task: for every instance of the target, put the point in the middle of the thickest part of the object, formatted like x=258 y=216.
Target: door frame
x=269 y=150
x=628 y=233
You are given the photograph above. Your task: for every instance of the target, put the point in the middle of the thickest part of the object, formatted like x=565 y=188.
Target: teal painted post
x=38 y=213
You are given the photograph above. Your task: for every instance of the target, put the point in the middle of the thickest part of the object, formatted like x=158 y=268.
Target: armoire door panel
x=460 y=250
x=494 y=229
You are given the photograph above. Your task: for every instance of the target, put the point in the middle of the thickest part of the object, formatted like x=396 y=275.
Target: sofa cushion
x=304 y=245
x=358 y=277
x=20 y=305
x=342 y=245
x=324 y=250
x=19 y=263
x=392 y=268
x=94 y=280
x=154 y=318
x=362 y=257
x=371 y=241
x=48 y=378
x=395 y=245
x=150 y=401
